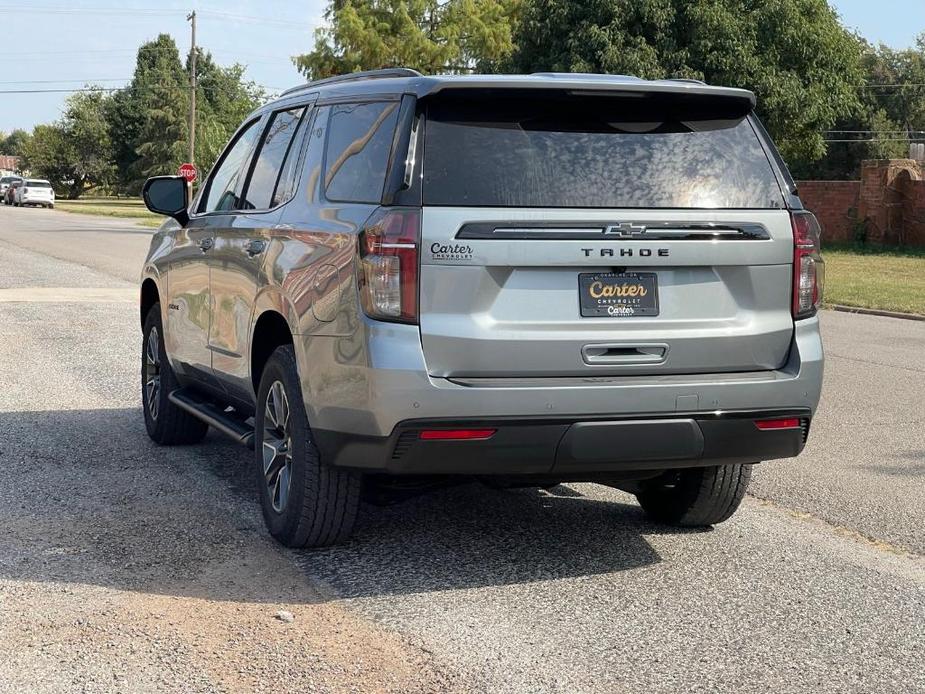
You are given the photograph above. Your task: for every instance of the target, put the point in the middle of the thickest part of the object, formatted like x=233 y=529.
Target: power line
x=58 y=91
x=82 y=81
x=291 y=24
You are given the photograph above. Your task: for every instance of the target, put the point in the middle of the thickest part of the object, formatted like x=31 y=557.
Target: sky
x=63 y=44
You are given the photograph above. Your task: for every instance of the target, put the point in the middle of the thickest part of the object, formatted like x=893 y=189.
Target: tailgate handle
x=622 y=353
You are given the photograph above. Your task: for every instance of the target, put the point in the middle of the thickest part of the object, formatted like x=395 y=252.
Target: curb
x=875 y=312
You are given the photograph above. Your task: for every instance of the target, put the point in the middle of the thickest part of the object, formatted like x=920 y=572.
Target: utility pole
x=191 y=17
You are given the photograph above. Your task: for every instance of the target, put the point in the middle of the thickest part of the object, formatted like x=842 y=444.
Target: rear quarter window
x=358 y=147
x=602 y=152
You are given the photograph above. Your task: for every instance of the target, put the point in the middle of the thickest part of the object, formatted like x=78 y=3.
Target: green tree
x=223 y=100
x=14 y=143
x=428 y=35
x=85 y=126
x=148 y=119
x=160 y=86
x=892 y=114
x=49 y=154
x=74 y=152
x=794 y=54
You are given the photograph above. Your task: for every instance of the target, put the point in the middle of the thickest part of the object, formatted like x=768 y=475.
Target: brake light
x=457 y=434
x=775 y=424
x=808 y=266
x=388 y=266
x=25 y=190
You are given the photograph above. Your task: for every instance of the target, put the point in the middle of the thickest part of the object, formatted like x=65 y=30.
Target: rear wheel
x=305 y=502
x=696 y=497
x=166 y=423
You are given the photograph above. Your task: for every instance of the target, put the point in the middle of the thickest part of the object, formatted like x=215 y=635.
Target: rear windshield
x=38 y=184
x=594 y=152
x=9 y=179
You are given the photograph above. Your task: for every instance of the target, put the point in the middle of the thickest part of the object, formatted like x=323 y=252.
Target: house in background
x=8 y=165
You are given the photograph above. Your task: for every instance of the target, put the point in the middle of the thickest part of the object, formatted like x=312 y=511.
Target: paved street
x=131 y=567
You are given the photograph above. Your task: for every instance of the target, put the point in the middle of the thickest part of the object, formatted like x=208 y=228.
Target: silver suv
x=389 y=278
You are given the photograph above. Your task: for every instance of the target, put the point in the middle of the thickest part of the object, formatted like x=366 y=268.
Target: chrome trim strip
x=648 y=231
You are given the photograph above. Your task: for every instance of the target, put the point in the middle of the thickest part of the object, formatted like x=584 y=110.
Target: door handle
x=205 y=243
x=255 y=247
x=620 y=353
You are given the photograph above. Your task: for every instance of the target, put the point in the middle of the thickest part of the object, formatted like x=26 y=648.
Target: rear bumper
x=368 y=385
x=571 y=448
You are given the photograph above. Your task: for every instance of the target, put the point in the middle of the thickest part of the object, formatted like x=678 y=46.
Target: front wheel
x=166 y=423
x=305 y=502
x=696 y=497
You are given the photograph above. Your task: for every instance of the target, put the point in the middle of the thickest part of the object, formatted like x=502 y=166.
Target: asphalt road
x=128 y=567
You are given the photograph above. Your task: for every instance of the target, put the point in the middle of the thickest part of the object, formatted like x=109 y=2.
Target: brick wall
x=914 y=214
x=887 y=204
x=835 y=205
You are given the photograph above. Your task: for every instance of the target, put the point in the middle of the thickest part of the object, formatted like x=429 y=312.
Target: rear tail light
x=25 y=190
x=808 y=266
x=388 y=266
x=776 y=424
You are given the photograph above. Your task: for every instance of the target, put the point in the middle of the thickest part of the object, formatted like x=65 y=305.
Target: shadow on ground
x=86 y=497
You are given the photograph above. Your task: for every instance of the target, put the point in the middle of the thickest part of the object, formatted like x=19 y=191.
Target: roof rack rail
x=691 y=80
x=354 y=76
x=582 y=76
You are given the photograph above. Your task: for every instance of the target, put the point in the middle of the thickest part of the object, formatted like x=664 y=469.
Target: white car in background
x=35 y=191
x=5 y=183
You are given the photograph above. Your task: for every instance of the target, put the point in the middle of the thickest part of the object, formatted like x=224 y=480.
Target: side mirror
x=167 y=195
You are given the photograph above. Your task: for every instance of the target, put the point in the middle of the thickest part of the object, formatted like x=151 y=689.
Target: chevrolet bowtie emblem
x=625 y=229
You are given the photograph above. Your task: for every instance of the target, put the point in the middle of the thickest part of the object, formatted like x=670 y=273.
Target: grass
x=891 y=279
x=125 y=208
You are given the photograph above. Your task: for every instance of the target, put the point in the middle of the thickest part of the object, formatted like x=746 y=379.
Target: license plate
x=618 y=294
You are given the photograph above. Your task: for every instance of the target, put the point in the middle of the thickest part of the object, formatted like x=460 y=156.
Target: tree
x=160 y=88
x=85 y=126
x=794 y=54
x=74 y=152
x=223 y=100
x=428 y=35
x=49 y=154
x=892 y=114
x=14 y=143
x=148 y=119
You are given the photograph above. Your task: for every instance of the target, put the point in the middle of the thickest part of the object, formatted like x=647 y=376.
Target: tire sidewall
x=282 y=367
x=152 y=321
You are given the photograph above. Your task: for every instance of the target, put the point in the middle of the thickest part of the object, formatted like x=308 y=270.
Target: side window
x=274 y=149
x=224 y=181
x=359 y=143
x=314 y=154
x=289 y=176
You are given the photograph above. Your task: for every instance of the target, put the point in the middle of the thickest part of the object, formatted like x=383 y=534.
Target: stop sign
x=187 y=171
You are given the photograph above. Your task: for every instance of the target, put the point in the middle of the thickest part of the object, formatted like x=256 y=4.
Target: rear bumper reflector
x=774 y=424
x=457 y=434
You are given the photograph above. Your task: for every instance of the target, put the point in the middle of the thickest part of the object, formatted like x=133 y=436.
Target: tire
x=305 y=502
x=167 y=424
x=696 y=497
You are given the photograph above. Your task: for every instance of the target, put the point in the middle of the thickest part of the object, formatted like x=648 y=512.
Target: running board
x=214 y=416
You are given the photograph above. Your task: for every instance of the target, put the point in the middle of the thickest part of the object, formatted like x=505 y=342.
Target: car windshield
x=38 y=184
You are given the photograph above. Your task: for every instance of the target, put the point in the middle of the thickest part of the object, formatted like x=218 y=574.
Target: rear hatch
x=37 y=190
x=574 y=233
